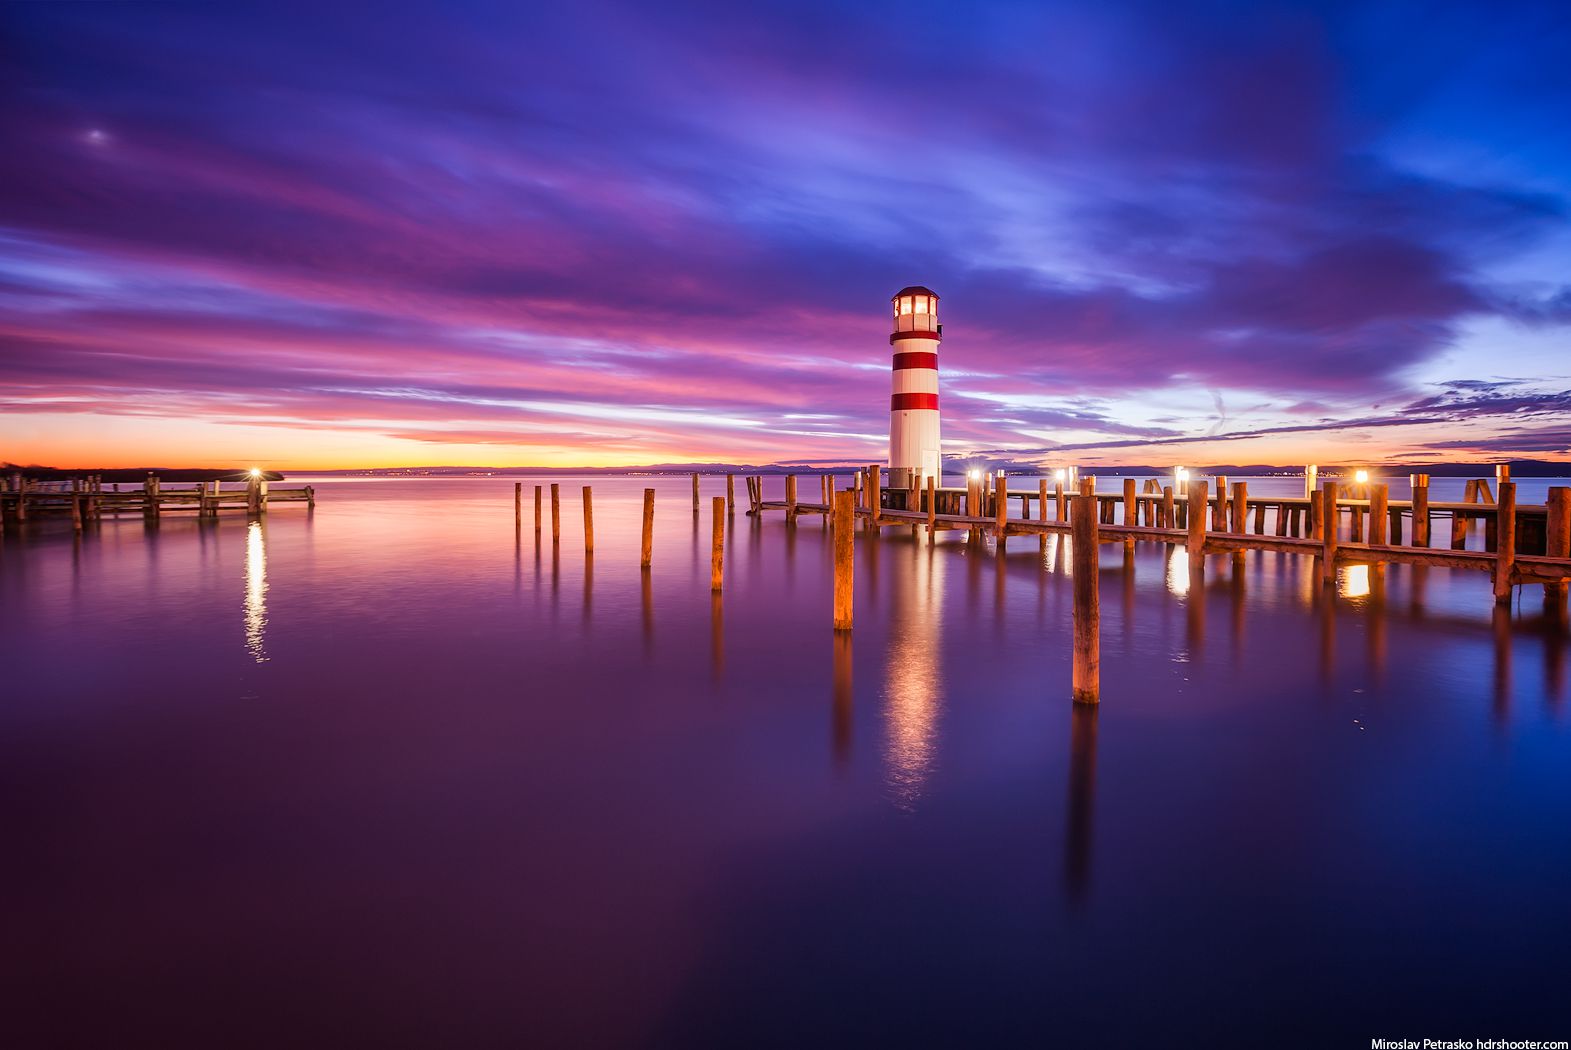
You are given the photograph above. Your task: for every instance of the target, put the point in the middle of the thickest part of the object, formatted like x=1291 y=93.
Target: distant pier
x=85 y=498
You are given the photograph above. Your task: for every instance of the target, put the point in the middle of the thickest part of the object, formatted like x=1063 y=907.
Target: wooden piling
x=518 y=504
x=844 y=541
x=1197 y=497
x=695 y=493
x=1505 y=540
x=1379 y=512
x=1240 y=507
x=1131 y=504
x=875 y=499
x=1041 y=509
x=730 y=494
x=932 y=508
x=556 y=514
x=790 y=499
x=1000 y=507
x=589 y=521
x=646 y=554
x=537 y=512
x=717 y=544
x=1328 y=533
x=1086 y=676
x=1060 y=502
x=1260 y=519
x=1557 y=544
x=1420 y=510
x=1165 y=519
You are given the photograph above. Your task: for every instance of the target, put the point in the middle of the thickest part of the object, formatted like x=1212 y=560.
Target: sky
x=334 y=235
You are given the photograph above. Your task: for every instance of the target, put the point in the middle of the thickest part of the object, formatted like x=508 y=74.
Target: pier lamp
x=1180 y=475
x=1060 y=474
x=1361 y=477
x=974 y=474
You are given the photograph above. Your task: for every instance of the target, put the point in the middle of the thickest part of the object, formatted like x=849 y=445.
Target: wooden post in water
x=1060 y=502
x=1240 y=507
x=1219 y=512
x=1420 y=510
x=695 y=493
x=556 y=514
x=1041 y=509
x=1557 y=544
x=1505 y=540
x=1328 y=533
x=1000 y=507
x=1086 y=679
x=1166 y=514
x=875 y=499
x=1461 y=524
x=932 y=508
x=589 y=521
x=717 y=544
x=646 y=555
x=790 y=500
x=1378 y=514
x=518 y=505
x=730 y=494
x=1131 y=504
x=844 y=540
x=76 y=506
x=1197 y=520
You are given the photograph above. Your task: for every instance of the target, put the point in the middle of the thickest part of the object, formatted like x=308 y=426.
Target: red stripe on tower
x=916 y=359
x=903 y=402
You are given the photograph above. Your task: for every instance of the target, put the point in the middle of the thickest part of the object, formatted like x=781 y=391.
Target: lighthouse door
x=930 y=466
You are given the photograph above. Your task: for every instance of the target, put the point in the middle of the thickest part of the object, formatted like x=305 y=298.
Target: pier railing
x=86 y=499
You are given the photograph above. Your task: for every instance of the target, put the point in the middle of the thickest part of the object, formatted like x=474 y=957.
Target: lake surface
x=391 y=774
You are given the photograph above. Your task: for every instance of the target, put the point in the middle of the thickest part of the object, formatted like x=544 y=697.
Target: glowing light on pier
x=1361 y=477
x=255 y=592
x=1180 y=475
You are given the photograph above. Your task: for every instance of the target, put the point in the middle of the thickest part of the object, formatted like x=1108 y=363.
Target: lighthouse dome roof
x=915 y=289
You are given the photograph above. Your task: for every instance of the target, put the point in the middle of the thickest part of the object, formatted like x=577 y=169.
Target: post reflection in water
x=255 y=591
x=647 y=611
x=1500 y=625
x=716 y=636
x=840 y=722
x=1082 y=794
x=913 y=681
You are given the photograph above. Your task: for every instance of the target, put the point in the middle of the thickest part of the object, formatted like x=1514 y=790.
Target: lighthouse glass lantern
x=914 y=452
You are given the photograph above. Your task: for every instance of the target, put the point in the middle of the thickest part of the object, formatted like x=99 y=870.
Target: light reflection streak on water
x=913 y=686
x=1178 y=571
x=1353 y=581
x=255 y=591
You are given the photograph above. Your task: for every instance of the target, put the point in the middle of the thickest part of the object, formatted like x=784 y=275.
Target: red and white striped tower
x=913 y=404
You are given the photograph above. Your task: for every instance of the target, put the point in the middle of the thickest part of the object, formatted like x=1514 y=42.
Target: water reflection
x=1082 y=793
x=1353 y=581
x=716 y=636
x=1178 y=570
x=255 y=591
x=913 y=681
x=840 y=732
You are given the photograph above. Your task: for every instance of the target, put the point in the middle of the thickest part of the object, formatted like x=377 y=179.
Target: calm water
x=386 y=774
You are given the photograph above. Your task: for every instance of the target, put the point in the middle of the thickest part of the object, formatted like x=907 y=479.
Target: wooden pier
x=86 y=499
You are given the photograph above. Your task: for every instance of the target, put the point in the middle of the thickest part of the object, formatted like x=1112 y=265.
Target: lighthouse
x=913 y=401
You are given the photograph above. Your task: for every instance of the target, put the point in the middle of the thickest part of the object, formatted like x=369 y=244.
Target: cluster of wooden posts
x=86 y=499
x=1523 y=544
x=721 y=507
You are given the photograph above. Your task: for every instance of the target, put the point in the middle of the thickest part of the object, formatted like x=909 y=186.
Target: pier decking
x=1523 y=544
x=86 y=499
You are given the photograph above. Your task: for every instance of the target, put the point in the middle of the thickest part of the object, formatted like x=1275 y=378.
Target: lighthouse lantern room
x=913 y=404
